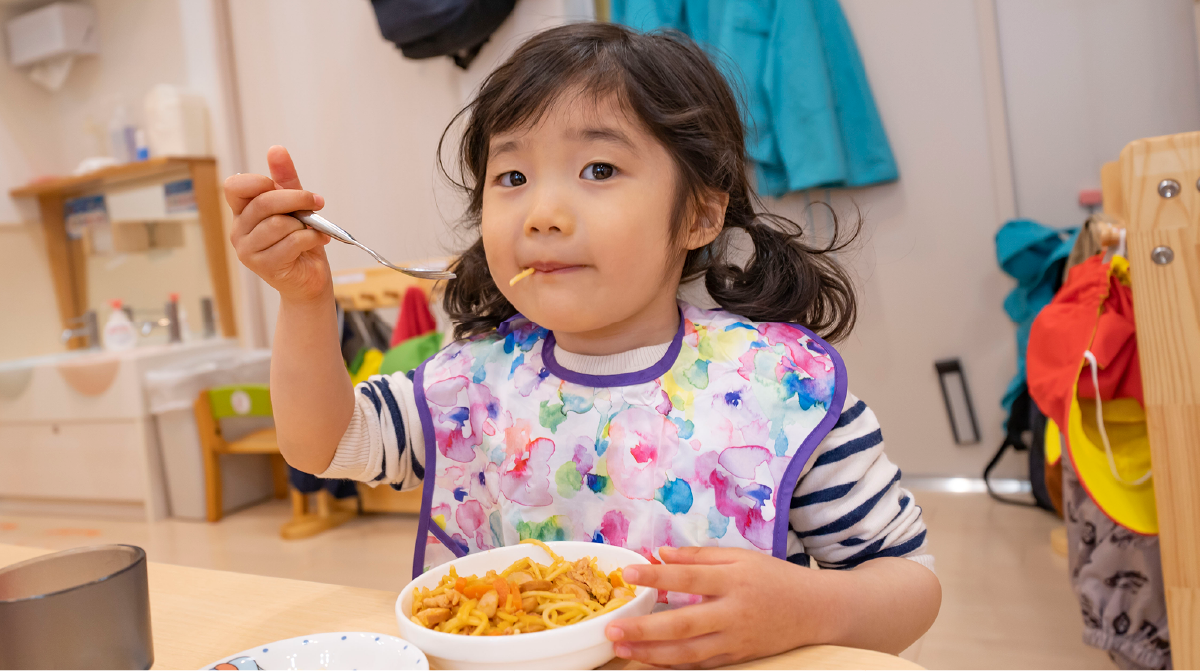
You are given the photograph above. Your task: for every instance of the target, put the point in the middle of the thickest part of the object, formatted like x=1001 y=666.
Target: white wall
x=1083 y=78
x=29 y=147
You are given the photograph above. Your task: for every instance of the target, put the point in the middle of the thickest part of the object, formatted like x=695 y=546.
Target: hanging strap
x=1112 y=462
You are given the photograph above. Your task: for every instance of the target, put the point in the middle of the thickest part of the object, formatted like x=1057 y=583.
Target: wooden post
x=1166 y=298
x=208 y=203
x=67 y=267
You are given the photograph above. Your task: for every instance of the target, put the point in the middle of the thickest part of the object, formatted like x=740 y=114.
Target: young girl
x=584 y=402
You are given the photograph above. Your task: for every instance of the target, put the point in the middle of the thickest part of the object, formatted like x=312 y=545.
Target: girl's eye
x=512 y=178
x=598 y=171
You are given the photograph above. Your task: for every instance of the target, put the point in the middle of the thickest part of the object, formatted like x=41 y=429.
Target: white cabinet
x=75 y=430
x=98 y=461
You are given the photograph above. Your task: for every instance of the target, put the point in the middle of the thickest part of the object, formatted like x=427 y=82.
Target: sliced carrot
x=476 y=589
x=501 y=586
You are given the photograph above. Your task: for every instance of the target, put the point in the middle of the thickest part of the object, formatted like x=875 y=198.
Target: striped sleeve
x=378 y=446
x=849 y=507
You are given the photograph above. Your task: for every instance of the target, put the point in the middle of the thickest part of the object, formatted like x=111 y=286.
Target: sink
x=88 y=384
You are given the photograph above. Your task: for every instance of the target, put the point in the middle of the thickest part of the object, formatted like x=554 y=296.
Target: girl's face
x=585 y=198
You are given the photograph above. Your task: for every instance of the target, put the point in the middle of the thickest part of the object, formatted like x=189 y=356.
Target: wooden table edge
x=173 y=587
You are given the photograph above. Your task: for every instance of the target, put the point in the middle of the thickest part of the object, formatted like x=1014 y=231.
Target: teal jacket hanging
x=1033 y=255
x=810 y=116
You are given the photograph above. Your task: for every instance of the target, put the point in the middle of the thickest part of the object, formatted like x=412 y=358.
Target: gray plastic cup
x=87 y=608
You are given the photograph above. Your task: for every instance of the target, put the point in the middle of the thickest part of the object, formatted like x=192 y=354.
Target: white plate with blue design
x=331 y=650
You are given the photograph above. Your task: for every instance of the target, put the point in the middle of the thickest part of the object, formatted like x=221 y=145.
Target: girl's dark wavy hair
x=665 y=81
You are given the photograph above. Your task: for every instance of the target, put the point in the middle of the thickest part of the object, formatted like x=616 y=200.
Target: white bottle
x=185 y=331
x=119 y=334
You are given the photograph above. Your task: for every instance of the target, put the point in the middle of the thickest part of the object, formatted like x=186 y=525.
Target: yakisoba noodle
x=525 y=597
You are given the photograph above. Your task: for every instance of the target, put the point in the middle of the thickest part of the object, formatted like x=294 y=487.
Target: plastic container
x=170 y=393
x=176 y=122
x=578 y=646
x=122 y=137
x=119 y=333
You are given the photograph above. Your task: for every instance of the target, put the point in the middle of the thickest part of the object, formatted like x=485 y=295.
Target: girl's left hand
x=749 y=608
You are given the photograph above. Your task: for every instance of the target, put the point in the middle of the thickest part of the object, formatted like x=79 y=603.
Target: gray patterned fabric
x=1117 y=577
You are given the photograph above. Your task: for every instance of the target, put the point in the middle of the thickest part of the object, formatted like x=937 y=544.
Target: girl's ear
x=708 y=221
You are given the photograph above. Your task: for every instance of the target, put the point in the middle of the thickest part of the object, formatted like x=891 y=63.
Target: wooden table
x=200 y=615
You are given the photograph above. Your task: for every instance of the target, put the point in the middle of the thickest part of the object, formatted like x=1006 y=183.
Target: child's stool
x=254 y=400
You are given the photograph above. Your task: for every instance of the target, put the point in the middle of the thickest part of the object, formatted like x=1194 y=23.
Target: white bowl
x=577 y=646
x=331 y=650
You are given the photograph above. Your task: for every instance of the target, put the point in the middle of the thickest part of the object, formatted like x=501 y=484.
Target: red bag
x=1092 y=311
x=415 y=318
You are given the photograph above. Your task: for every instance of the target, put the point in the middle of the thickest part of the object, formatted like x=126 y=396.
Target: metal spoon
x=317 y=222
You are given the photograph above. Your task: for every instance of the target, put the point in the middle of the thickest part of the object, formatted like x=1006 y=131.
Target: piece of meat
x=536 y=586
x=445 y=600
x=519 y=578
x=575 y=589
x=598 y=585
x=488 y=602
x=434 y=616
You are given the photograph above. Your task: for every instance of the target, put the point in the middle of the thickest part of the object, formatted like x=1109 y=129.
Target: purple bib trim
x=425 y=525
x=620 y=380
x=791 y=476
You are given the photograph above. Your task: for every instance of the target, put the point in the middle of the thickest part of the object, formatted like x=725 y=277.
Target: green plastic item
x=410 y=353
x=357 y=361
x=240 y=400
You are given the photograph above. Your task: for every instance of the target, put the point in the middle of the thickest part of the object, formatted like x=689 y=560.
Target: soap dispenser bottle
x=119 y=334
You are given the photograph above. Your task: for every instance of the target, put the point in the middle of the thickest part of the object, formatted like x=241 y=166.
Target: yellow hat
x=1052 y=443
x=1112 y=458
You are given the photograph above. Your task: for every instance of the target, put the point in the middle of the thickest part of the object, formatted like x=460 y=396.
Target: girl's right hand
x=276 y=246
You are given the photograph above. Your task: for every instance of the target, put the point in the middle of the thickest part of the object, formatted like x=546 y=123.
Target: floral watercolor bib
x=703 y=448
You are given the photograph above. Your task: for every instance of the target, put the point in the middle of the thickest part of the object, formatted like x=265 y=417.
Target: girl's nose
x=549 y=215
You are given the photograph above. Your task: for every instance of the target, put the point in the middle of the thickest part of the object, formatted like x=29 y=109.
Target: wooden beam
x=63 y=269
x=1166 y=299
x=1110 y=187
x=107 y=177
x=208 y=202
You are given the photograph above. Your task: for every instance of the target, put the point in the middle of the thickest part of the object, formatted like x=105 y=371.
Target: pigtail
x=472 y=300
x=785 y=279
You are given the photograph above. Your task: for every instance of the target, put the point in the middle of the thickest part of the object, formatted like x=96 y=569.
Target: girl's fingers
x=663 y=653
x=671 y=625
x=284 y=252
x=690 y=579
x=241 y=189
x=711 y=663
x=281 y=201
x=703 y=555
x=269 y=232
x=283 y=170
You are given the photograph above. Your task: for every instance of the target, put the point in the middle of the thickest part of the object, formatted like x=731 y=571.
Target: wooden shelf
x=68 y=258
x=379 y=287
x=110 y=176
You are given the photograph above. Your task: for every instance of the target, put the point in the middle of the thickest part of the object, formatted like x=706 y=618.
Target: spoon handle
x=316 y=221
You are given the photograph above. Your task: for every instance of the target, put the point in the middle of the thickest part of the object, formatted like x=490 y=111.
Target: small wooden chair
x=254 y=400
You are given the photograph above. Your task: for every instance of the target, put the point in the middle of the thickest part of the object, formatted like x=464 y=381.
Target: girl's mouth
x=553 y=267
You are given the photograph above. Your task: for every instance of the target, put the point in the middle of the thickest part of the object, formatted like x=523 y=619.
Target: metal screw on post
x=1169 y=188
x=1162 y=255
